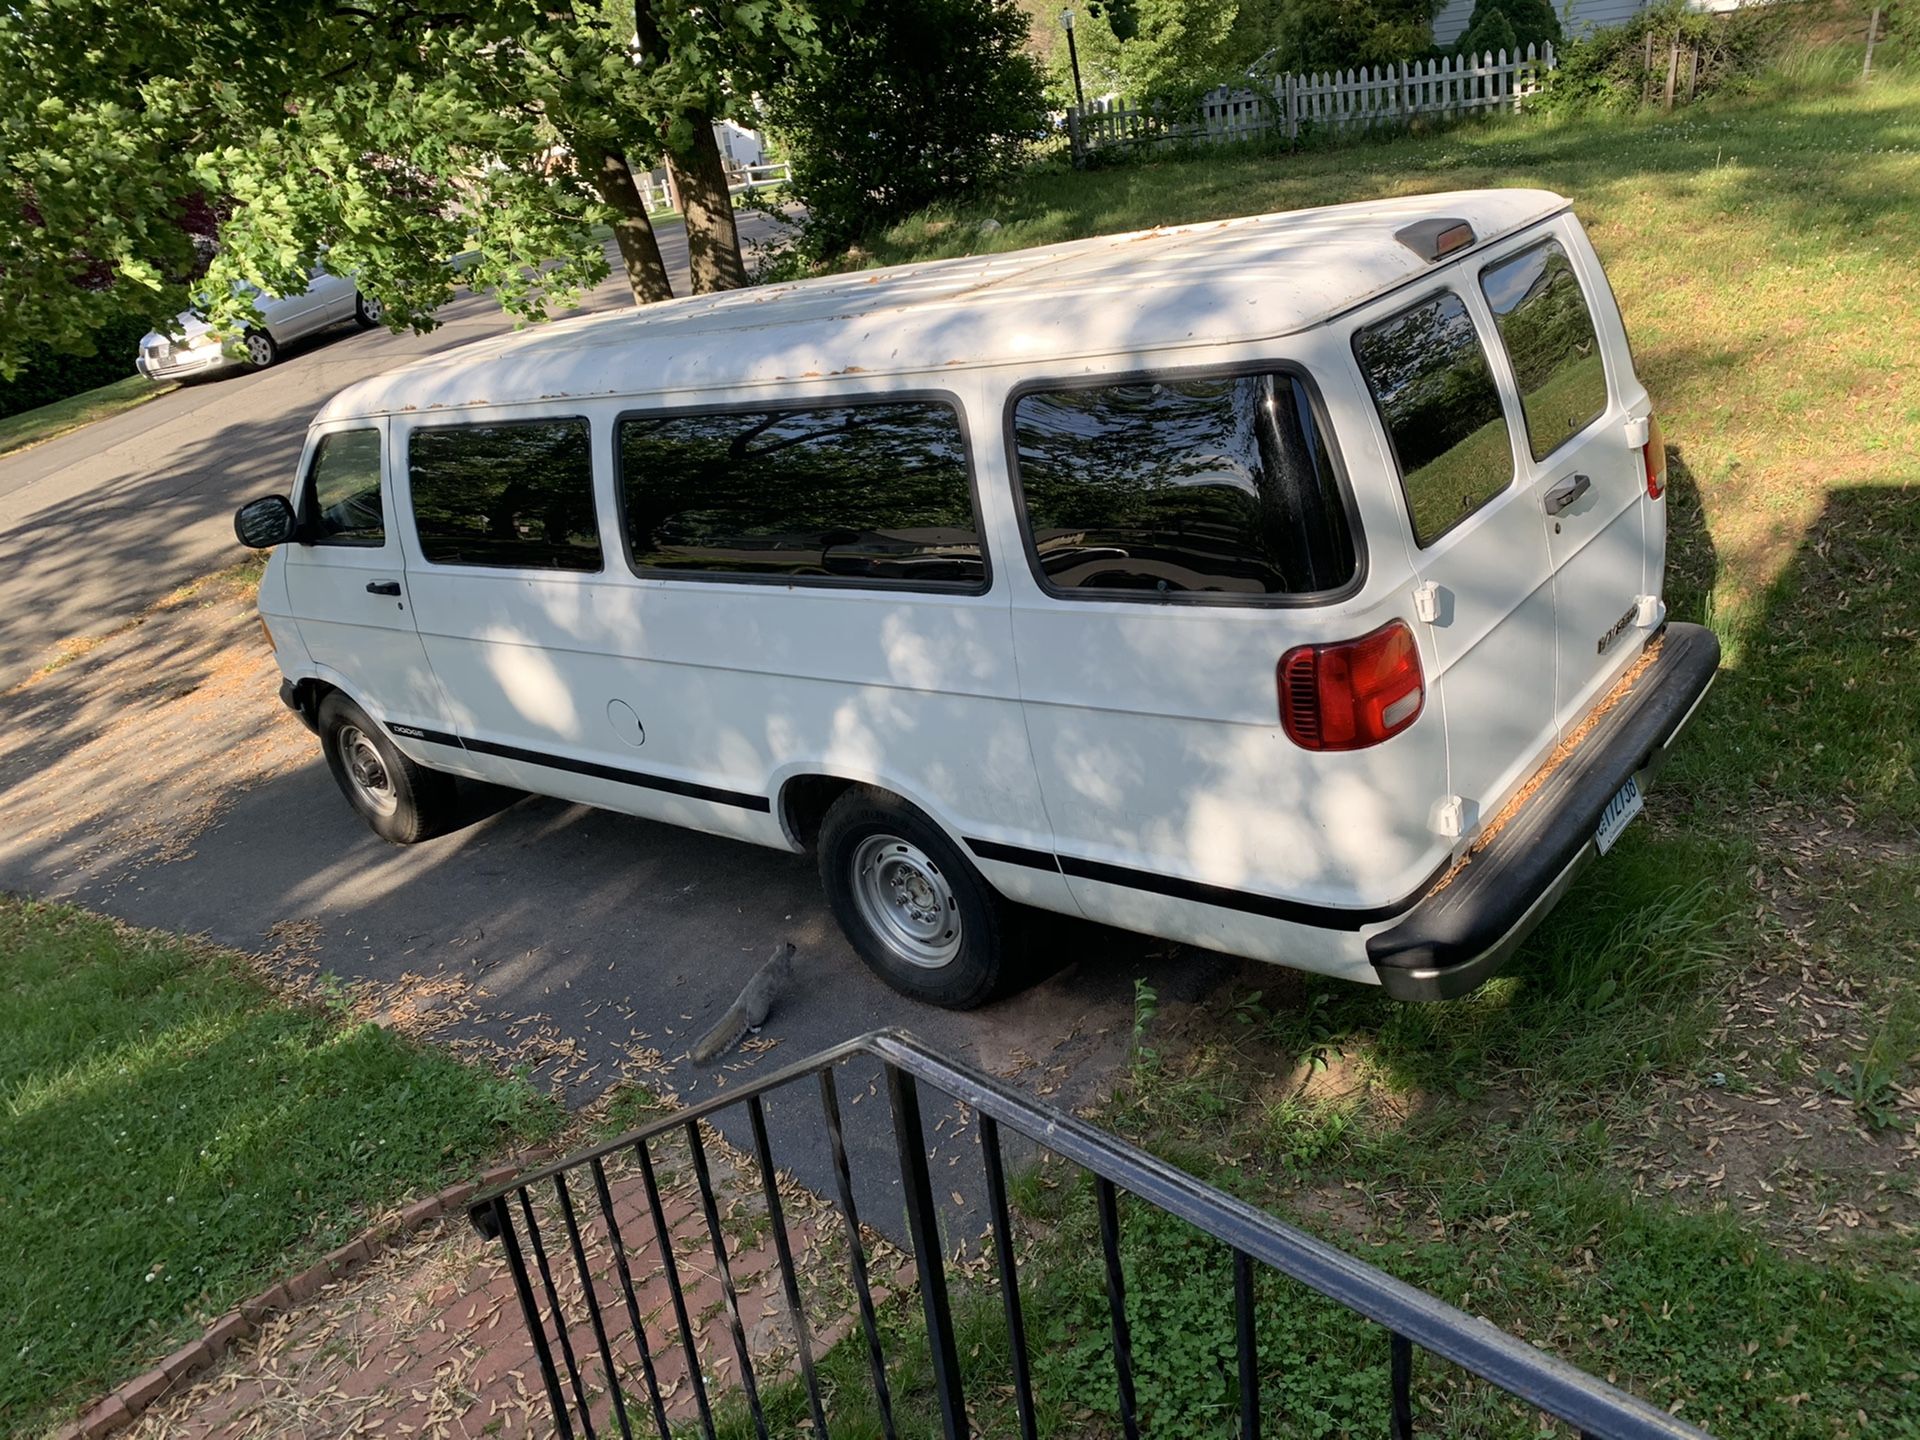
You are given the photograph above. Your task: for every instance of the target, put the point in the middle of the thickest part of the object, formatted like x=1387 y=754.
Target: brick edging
x=126 y=1402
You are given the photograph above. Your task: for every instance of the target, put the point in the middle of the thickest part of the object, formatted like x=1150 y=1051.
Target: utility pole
x=1073 y=59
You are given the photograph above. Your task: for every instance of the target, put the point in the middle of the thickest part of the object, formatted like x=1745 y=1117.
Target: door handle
x=1566 y=492
x=383 y=587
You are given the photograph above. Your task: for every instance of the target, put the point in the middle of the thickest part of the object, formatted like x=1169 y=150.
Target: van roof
x=1218 y=282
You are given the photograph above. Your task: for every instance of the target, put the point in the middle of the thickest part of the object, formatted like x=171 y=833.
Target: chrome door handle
x=383 y=587
x=1566 y=492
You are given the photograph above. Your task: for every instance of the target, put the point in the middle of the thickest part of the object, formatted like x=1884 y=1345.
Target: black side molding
x=666 y=784
x=1453 y=941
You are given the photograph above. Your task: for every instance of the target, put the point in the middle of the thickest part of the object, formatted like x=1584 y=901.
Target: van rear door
x=1579 y=458
x=1479 y=539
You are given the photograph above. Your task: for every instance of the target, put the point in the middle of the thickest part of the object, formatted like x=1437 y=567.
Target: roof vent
x=1431 y=239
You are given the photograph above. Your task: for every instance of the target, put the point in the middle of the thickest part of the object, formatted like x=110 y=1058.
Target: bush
x=49 y=376
x=907 y=103
x=1509 y=25
x=1608 y=69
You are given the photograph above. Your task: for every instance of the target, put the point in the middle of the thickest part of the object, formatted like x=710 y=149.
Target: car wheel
x=260 y=349
x=912 y=906
x=402 y=801
x=368 y=311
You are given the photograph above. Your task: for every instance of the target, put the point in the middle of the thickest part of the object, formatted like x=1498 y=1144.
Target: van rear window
x=1548 y=331
x=1436 y=396
x=518 y=495
x=1222 y=486
x=865 y=494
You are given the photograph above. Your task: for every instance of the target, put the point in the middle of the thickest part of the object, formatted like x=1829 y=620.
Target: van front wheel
x=402 y=801
x=912 y=905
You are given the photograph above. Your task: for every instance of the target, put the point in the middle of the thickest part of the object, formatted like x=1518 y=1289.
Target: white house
x=1577 y=17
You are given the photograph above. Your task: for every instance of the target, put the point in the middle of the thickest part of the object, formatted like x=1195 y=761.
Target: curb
x=126 y=1402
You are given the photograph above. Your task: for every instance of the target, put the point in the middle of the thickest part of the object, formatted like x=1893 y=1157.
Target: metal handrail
x=1411 y=1316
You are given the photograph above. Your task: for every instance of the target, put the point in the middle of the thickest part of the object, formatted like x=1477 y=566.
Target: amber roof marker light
x=1432 y=239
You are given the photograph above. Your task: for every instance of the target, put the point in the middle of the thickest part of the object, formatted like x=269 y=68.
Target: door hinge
x=1426 y=601
x=1450 y=817
x=1638 y=432
x=1649 y=611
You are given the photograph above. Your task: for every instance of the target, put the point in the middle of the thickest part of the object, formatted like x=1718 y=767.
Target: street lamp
x=1073 y=58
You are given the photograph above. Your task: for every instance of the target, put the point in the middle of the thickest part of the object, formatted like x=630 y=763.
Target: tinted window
x=1182 y=486
x=1430 y=379
x=1548 y=331
x=852 y=492
x=519 y=495
x=345 y=499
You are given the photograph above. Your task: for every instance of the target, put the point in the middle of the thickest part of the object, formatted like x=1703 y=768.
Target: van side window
x=875 y=494
x=1218 y=486
x=1429 y=376
x=518 y=494
x=343 y=495
x=1548 y=331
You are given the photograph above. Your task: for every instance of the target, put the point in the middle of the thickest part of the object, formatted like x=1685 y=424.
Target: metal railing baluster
x=1117 y=1303
x=869 y=1323
x=619 y=1244
x=1248 y=1346
x=530 y=1312
x=1009 y=1274
x=1401 y=1365
x=594 y=1319
x=559 y=1316
x=725 y=1268
x=664 y=1236
x=923 y=1223
x=783 y=1251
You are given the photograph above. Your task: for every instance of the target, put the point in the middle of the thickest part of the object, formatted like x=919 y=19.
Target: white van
x=1289 y=586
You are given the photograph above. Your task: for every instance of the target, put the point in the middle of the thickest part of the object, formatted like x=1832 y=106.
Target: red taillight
x=1654 y=457
x=1353 y=694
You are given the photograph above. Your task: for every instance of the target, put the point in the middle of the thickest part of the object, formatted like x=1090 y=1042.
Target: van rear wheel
x=402 y=801
x=912 y=905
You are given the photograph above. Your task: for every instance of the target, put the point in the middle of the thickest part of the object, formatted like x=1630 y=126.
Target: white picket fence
x=660 y=197
x=1330 y=101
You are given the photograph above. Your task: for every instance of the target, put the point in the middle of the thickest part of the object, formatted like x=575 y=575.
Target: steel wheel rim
x=904 y=897
x=367 y=771
x=259 y=350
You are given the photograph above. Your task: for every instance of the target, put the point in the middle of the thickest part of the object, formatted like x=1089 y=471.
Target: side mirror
x=261 y=524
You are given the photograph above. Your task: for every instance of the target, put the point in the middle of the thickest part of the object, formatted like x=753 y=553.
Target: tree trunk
x=700 y=180
x=639 y=250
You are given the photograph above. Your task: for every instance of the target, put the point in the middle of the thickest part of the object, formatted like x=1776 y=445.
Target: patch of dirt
x=168 y=706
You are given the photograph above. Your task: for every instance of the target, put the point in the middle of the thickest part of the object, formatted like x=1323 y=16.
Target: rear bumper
x=1459 y=936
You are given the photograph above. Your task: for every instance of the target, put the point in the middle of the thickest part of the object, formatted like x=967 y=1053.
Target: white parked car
x=193 y=348
x=1289 y=586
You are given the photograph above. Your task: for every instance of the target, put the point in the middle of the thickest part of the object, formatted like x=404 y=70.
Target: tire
x=402 y=802
x=912 y=905
x=261 y=348
x=367 y=311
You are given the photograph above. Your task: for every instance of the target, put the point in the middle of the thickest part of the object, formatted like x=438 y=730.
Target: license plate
x=1626 y=804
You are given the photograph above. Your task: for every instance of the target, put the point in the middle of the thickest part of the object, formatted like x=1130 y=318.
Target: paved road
x=96 y=524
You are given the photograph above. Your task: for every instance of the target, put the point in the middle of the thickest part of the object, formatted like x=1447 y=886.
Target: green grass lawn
x=30 y=427
x=1677 y=1142
x=176 y=1138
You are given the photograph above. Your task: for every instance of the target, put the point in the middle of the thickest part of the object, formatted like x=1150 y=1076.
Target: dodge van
x=1288 y=586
